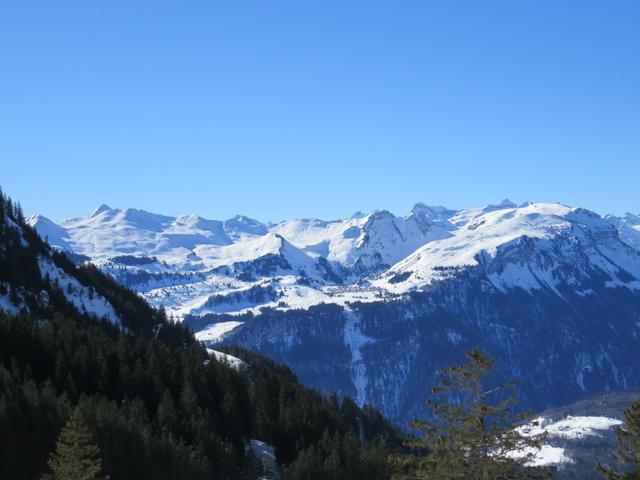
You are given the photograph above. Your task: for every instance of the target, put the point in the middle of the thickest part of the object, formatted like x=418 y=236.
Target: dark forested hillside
x=151 y=398
x=158 y=411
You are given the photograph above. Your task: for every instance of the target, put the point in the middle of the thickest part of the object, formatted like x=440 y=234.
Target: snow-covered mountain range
x=195 y=266
x=372 y=305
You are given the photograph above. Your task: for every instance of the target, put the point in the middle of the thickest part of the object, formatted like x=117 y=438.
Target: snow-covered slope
x=571 y=428
x=628 y=228
x=578 y=436
x=83 y=298
x=532 y=247
x=34 y=280
x=556 y=434
x=232 y=361
x=56 y=235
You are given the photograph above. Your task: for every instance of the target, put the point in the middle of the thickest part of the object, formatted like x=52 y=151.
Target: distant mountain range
x=374 y=304
x=184 y=262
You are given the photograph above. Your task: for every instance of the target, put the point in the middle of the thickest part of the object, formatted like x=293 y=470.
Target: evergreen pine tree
x=471 y=436
x=76 y=456
x=167 y=413
x=627 y=457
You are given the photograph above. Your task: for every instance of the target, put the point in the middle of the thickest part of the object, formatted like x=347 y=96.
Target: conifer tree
x=472 y=435
x=76 y=456
x=167 y=413
x=627 y=457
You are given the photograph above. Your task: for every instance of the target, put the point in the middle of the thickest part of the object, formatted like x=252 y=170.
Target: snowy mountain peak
x=102 y=208
x=422 y=207
x=506 y=203
x=380 y=215
x=244 y=219
x=39 y=221
x=56 y=235
x=241 y=225
x=277 y=240
x=430 y=214
x=144 y=219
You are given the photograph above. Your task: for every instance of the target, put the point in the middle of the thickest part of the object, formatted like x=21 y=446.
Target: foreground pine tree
x=472 y=435
x=627 y=457
x=76 y=456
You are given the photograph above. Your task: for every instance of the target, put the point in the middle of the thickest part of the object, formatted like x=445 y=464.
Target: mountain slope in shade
x=559 y=347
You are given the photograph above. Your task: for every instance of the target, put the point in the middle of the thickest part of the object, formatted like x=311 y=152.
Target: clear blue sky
x=279 y=109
